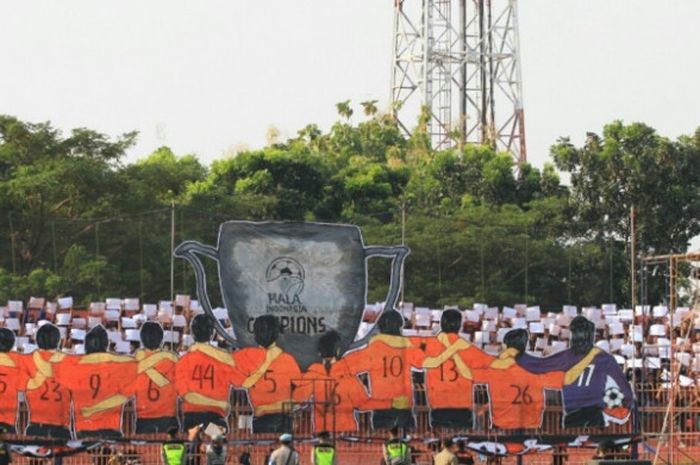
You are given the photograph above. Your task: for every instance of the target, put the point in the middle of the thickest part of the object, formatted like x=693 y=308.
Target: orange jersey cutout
x=12 y=380
x=335 y=390
x=516 y=395
x=48 y=398
x=389 y=361
x=154 y=386
x=272 y=378
x=448 y=370
x=203 y=379
x=97 y=383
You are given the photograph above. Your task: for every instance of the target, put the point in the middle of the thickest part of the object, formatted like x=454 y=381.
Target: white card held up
x=63 y=319
x=626 y=315
x=97 y=307
x=179 y=321
x=536 y=328
x=12 y=324
x=683 y=358
x=165 y=306
x=609 y=309
x=112 y=303
x=65 y=302
x=36 y=302
x=112 y=315
x=77 y=334
x=616 y=344
x=570 y=310
x=509 y=312
x=615 y=328
x=558 y=346
x=604 y=345
x=16 y=306
x=563 y=320
x=150 y=310
x=491 y=313
x=533 y=314
x=659 y=311
x=94 y=321
x=182 y=300
x=488 y=326
x=657 y=330
x=132 y=305
x=222 y=314
x=554 y=329
x=481 y=337
x=133 y=335
x=636 y=331
x=472 y=315
x=122 y=347
x=592 y=313
x=114 y=336
x=171 y=336
x=519 y=323
x=641 y=310
x=501 y=333
x=128 y=323
x=628 y=350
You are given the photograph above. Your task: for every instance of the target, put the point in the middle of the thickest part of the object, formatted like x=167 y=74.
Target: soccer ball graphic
x=288 y=273
x=613 y=397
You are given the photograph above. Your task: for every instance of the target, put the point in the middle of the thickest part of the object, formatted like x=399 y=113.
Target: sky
x=208 y=77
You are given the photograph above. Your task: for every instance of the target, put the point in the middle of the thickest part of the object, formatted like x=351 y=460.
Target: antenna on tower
x=463 y=68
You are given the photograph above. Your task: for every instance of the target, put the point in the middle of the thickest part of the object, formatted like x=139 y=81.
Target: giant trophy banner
x=295 y=295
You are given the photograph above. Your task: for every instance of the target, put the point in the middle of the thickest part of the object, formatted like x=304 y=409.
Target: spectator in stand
x=447 y=455
x=173 y=450
x=216 y=451
x=285 y=453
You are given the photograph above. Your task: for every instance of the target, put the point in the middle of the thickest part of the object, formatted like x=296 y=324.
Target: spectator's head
x=202 y=328
x=151 y=335
x=48 y=337
x=329 y=345
x=219 y=440
x=286 y=439
x=451 y=321
x=582 y=335
x=390 y=323
x=516 y=339
x=172 y=432
x=7 y=340
x=451 y=444
x=96 y=340
x=266 y=329
x=324 y=437
x=394 y=432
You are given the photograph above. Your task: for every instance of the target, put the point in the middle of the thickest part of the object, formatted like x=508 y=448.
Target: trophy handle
x=188 y=250
x=398 y=256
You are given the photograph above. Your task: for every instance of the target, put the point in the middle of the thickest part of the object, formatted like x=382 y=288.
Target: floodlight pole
x=463 y=67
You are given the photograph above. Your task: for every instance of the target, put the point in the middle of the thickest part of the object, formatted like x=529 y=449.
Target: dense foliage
x=77 y=220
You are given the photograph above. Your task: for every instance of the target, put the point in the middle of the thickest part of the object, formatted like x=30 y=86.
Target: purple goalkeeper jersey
x=602 y=384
